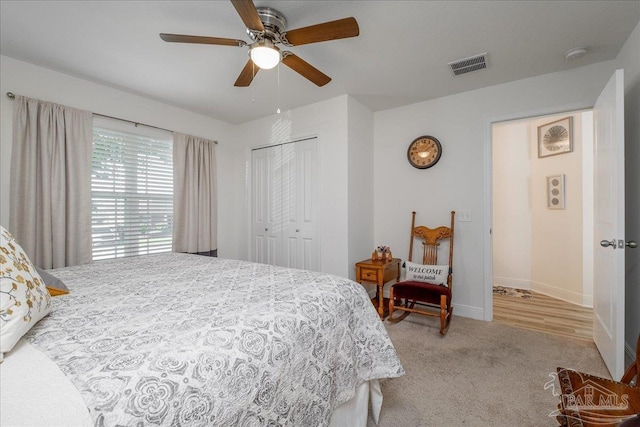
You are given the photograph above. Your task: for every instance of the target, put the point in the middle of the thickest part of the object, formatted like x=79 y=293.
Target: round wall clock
x=424 y=152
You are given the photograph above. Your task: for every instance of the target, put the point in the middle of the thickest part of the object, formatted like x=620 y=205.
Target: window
x=131 y=194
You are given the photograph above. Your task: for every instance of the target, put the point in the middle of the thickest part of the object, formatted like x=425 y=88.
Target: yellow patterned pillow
x=24 y=299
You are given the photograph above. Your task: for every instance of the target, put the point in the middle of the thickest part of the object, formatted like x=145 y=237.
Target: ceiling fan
x=266 y=28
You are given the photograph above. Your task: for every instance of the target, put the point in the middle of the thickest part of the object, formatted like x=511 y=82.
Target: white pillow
x=434 y=274
x=24 y=298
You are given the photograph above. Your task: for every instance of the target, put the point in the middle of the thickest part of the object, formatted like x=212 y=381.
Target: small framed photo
x=555 y=137
x=555 y=191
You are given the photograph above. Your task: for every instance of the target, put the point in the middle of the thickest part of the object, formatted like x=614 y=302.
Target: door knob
x=606 y=243
x=632 y=244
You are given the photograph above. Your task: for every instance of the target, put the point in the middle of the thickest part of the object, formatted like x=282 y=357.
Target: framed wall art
x=555 y=137
x=555 y=191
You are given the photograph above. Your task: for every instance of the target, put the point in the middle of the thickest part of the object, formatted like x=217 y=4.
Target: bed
x=186 y=340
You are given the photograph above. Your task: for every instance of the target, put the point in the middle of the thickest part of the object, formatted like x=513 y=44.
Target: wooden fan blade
x=333 y=30
x=180 y=38
x=247 y=74
x=305 y=69
x=247 y=11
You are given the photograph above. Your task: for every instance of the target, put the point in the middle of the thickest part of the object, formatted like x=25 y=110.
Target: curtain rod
x=11 y=95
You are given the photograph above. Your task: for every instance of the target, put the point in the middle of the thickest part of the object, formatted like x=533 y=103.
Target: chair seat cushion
x=421 y=292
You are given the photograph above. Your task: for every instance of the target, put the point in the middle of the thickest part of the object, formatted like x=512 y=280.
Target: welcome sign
x=435 y=274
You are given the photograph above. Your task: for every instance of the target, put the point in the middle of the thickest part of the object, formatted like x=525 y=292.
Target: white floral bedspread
x=187 y=340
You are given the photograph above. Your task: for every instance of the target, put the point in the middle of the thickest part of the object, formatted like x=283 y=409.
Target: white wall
x=361 y=191
x=461 y=180
x=556 y=268
x=512 y=205
x=629 y=59
x=29 y=80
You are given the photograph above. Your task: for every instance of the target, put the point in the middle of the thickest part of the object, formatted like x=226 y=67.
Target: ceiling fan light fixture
x=266 y=28
x=575 y=53
x=265 y=55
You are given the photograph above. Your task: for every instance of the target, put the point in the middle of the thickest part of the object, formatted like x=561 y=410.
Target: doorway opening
x=542 y=228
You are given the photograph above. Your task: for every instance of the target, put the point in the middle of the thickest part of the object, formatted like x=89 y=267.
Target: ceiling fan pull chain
x=253 y=88
x=278 y=110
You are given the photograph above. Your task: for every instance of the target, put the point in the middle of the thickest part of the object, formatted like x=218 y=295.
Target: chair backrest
x=430 y=239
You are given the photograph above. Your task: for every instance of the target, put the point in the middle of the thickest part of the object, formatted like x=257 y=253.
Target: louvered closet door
x=284 y=196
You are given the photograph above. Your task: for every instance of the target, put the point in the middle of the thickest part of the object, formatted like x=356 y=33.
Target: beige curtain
x=195 y=214
x=50 y=190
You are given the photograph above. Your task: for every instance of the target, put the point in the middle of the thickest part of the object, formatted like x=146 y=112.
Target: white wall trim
x=371 y=290
x=559 y=293
x=588 y=205
x=510 y=282
x=630 y=354
x=488 y=221
x=461 y=310
x=248 y=203
x=476 y=313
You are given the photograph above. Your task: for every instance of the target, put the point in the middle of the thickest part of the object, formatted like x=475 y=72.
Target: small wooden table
x=378 y=272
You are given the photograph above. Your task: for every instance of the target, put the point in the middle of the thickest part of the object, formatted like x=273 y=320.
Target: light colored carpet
x=479 y=374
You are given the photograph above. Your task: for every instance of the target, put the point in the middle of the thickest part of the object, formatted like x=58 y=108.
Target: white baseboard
x=563 y=294
x=476 y=313
x=509 y=282
x=459 y=309
x=629 y=354
x=371 y=290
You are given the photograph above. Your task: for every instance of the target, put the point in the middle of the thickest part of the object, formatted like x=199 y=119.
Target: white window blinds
x=131 y=194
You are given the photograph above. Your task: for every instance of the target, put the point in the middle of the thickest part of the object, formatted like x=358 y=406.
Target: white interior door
x=266 y=205
x=608 y=285
x=300 y=205
x=284 y=205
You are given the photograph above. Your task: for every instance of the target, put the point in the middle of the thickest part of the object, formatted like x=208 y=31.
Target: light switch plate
x=464 y=216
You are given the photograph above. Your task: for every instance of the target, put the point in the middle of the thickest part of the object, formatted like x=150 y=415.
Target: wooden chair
x=405 y=295
x=590 y=401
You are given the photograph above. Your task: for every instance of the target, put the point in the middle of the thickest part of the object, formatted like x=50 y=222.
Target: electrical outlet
x=464 y=216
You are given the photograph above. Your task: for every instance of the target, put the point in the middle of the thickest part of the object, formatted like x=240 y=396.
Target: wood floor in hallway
x=543 y=313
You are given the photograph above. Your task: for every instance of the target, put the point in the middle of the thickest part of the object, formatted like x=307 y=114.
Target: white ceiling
x=399 y=58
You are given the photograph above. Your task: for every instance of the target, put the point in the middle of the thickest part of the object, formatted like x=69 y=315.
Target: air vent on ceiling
x=467 y=65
